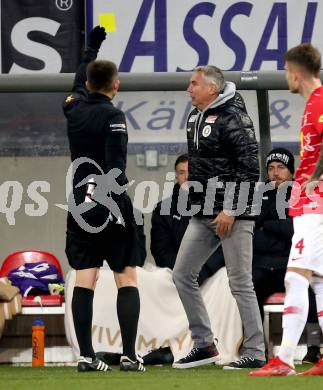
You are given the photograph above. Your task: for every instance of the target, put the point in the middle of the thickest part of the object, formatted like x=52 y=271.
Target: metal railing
x=158 y=81
x=261 y=82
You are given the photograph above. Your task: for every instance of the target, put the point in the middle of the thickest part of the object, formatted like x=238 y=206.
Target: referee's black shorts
x=117 y=244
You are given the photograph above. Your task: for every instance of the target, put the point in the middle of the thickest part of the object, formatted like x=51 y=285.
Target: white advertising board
x=160 y=117
x=177 y=35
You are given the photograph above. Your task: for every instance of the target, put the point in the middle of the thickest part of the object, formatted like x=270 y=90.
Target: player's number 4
x=300 y=246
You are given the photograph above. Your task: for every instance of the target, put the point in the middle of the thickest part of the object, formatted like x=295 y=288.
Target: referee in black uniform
x=97 y=134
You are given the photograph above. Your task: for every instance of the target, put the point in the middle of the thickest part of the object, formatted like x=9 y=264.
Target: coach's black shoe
x=244 y=362
x=313 y=355
x=126 y=364
x=199 y=357
x=86 y=364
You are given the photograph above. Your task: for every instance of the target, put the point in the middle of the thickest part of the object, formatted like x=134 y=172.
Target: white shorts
x=307 y=244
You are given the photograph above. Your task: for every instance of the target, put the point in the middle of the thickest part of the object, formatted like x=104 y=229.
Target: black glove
x=96 y=37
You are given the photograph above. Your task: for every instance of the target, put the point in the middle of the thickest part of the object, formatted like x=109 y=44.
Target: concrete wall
x=47 y=232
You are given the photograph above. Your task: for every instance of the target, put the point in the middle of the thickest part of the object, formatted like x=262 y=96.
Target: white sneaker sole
x=233 y=368
x=197 y=363
x=236 y=368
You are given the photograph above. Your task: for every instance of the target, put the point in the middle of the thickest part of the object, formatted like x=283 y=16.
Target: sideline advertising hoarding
x=177 y=35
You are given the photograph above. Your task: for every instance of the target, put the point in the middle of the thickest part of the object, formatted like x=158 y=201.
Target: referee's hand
x=96 y=37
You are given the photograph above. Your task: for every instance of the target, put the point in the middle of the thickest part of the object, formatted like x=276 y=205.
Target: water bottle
x=38 y=343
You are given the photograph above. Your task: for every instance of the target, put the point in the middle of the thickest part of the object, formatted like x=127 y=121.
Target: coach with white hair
x=222 y=160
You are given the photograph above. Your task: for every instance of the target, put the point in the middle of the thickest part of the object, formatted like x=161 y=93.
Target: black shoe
x=313 y=355
x=244 y=362
x=159 y=356
x=126 y=364
x=198 y=357
x=85 y=364
x=109 y=357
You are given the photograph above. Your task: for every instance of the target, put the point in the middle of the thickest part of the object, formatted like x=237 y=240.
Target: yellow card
x=108 y=21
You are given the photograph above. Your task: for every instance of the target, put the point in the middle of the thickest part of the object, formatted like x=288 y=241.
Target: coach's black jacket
x=96 y=130
x=167 y=232
x=222 y=148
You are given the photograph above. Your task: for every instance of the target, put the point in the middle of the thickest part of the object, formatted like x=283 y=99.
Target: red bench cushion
x=275 y=299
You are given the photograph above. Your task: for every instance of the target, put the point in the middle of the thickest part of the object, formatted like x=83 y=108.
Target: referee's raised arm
x=79 y=89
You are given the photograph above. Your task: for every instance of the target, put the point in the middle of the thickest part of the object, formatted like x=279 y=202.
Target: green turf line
x=156 y=378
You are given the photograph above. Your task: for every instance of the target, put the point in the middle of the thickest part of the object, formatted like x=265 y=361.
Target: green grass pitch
x=208 y=377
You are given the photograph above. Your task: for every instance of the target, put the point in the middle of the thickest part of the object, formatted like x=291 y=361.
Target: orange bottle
x=38 y=343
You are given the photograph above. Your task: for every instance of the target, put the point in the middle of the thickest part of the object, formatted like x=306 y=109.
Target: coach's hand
x=96 y=37
x=223 y=224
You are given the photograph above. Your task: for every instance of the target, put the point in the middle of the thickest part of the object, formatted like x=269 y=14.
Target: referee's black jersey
x=96 y=130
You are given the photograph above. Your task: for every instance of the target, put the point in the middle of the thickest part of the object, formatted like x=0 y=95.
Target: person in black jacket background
x=167 y=229
x=273 y=235
x=272 y=241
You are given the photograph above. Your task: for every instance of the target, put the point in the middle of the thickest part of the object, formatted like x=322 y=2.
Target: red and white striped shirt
x=311 y=140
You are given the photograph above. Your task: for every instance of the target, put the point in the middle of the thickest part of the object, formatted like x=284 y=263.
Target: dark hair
x=101 y=74
x=306 y=56
x=181 y=159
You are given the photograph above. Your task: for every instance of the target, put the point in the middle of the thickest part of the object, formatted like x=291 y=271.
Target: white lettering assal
x=21 y=42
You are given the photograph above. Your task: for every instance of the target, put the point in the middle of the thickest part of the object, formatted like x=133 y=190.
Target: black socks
x=82 y=309
x=128 y=308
